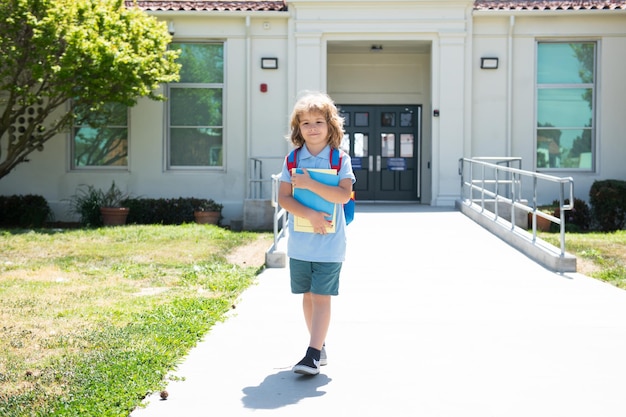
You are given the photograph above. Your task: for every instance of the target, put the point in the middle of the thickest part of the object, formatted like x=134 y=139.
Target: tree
x=61 y=60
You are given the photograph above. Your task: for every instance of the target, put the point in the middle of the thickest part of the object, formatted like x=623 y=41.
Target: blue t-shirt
x=313 y=247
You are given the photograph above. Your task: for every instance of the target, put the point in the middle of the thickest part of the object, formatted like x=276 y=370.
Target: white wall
x=492 y=104
x=269 y=111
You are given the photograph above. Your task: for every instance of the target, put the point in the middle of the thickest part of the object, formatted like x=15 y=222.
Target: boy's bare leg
x=316 y=309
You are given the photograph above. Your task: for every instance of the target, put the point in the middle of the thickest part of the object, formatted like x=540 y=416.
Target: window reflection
x=388 y=119
x=388 y=145
x=361 y=119
x=100 y=139
x=406 y=119
x=345 y=143
x=406 y=145
x=360 y=144
x=195 y=107
x=565 y=105
x=565 y=63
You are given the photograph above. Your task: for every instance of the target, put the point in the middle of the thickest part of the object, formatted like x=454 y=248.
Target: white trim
x=544 y=12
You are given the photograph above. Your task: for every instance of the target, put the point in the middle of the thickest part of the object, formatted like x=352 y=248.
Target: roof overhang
x=196 y=6
x=548 y=7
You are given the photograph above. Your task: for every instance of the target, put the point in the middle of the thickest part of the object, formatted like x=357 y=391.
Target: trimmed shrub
x=608 y=204
x=24 y=211
x=578 y=219
x=164 y=210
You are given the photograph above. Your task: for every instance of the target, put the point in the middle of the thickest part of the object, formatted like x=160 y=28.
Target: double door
x=384 y=143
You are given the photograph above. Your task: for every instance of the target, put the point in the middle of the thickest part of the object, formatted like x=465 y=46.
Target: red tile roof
x=183 y=5
x=262 y=5
x=550 y=5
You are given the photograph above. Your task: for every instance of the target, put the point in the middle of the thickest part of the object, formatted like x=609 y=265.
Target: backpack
x=335 y=163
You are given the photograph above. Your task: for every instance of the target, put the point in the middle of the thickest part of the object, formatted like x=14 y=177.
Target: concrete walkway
x=435 y=317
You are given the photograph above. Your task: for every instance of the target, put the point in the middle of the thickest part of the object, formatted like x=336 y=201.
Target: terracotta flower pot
x=114 y=216
x=207 y=217
x=542 y=224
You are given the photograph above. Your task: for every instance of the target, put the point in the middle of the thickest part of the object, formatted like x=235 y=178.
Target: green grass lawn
x=599 y=255
x=93 y=319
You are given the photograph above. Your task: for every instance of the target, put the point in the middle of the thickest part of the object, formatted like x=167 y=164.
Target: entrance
x=385 y=144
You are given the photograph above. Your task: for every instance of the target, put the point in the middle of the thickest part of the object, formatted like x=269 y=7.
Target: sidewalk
x=435 y=317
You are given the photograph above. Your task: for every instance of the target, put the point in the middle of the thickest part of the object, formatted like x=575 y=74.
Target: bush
x=608 y=204
x=165 y=210
x=25 y=211
x=578 y=219
x=159 y=211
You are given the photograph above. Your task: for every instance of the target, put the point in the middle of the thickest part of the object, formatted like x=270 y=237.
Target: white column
x=309 y=63
x=449 y=91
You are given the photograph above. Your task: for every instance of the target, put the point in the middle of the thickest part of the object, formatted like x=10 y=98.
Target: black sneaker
x=307 y=366
x=323 y=357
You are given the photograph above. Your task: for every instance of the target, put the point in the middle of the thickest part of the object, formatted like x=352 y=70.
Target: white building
x=422 y=83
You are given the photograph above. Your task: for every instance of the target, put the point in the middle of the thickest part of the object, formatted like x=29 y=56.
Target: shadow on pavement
x=282 y=389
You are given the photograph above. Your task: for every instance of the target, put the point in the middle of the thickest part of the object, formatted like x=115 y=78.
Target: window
x=195 y=107
x=100 y=139
x=565 y=105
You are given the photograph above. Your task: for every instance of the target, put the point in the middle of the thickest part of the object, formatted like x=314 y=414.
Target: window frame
x=168 y=166
x=593 y=86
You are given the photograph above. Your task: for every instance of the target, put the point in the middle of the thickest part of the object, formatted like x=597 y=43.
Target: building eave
x=544 y=6
x=481 y=7
x=208 y=6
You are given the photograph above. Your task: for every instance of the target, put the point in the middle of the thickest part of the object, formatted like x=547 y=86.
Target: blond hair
x=317 y=103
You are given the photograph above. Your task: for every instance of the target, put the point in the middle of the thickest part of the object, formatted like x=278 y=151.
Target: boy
x=315 y=259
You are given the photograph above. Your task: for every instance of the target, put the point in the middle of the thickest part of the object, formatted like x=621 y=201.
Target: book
x=314 y=201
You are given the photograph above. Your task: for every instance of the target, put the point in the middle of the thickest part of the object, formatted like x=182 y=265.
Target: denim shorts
x=317 y=277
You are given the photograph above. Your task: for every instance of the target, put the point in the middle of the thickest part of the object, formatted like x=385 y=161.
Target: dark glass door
x=384 y=143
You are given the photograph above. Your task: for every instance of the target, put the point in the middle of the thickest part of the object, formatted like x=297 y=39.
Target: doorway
x=384 y=142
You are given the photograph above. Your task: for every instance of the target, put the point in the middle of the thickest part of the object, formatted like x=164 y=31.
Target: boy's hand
x=319 y=222
x=303 y=180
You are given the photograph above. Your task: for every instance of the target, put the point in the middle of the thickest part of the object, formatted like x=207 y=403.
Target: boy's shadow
x=282 y=389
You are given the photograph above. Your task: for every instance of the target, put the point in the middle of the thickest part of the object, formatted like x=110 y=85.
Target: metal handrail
x=280 y=214
x=256 y=179
x=494 y=174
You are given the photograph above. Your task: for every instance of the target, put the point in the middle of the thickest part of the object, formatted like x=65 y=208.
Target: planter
x=114 y=216
x=207 y=217
x=542 y=224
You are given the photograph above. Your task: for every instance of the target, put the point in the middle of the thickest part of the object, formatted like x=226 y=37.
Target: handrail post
x=280 y=214
x=534 y=209
x=482 y=188
x=496 y=190
x=462 y=174
x=562 y=217
x=513 y=199
x=274 y=202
